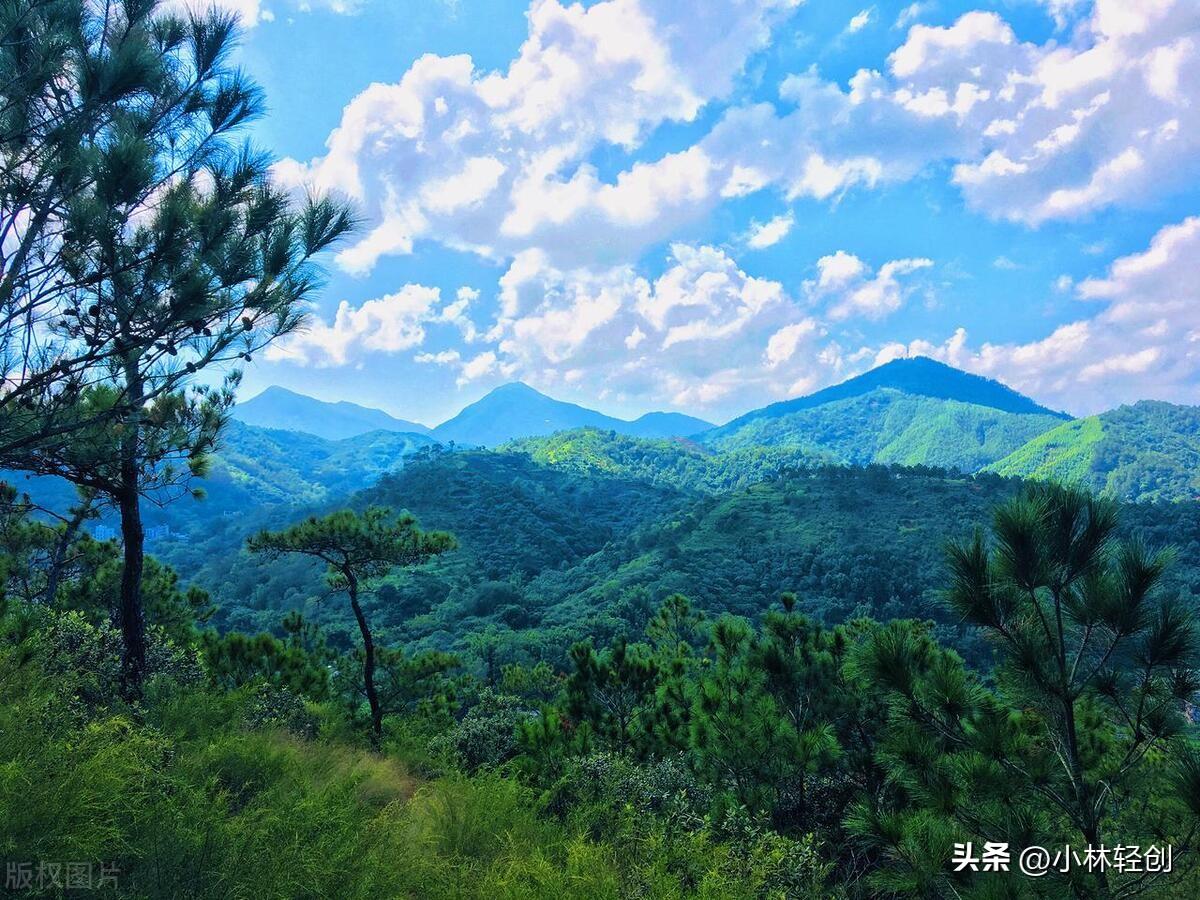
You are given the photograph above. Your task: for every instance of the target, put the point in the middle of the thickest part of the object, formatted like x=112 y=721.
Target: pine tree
x=182 y=256
x=1095 y=671
x=356 y=550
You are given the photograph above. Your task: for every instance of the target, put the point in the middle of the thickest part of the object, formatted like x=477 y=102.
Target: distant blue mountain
x=286 y=410
x=664 y=425
x=517 y=411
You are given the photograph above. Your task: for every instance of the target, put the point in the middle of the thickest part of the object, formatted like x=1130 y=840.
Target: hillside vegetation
x=1147 y=451
x=886 y=425
x=583 y=533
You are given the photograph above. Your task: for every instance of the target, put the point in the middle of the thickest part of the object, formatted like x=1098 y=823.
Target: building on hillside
x=104 y=533
x=158 y=533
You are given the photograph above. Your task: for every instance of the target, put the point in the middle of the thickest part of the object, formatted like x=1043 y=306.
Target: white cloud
x=389 y=324
x=768 y=234
x=911 y=13
x=861 y=20
x=497 y=162
x=1143 y=343
x=838 y=269
x=483 y=364
x=846 y=282
x=1036 y=132
x=782 y=344
x=1062 y=11
x=704 y=333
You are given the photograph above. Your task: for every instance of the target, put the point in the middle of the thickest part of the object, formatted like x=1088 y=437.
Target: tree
x=182 y=256
x=1095 y=671
x=357 y=549
x=110 y=111
x=744 y=740
x=612 y=691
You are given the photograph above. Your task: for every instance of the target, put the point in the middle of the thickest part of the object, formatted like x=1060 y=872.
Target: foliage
x=358 y=549
x=888 y=426
x=1144 y=452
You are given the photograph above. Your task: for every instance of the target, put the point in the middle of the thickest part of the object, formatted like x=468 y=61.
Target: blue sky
x=646 y=204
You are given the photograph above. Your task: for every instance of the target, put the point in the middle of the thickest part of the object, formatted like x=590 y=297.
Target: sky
x=707 y=207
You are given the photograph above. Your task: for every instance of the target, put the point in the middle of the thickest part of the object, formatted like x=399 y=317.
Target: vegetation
x=1147 y=451
x=712 y=756
x=887 y=426
x=357 y=550
x=619 y=667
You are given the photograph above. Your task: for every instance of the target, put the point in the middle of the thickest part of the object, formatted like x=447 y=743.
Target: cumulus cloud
x=388 y=324
x=1143 y=342
x=1035 y=131
x=497 y=162
x=768 y=234
x=703 y=334
x=853 y=290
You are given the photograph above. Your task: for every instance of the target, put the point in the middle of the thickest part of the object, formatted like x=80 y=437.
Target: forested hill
x=1147 y=451
x=584 y=533
x=919 y=376
x=887 y=425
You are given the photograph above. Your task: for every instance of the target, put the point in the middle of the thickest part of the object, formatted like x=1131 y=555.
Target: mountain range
x=913 y=411
x=508 y=412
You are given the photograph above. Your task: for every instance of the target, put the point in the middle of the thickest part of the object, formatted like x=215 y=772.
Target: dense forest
x=825 y=651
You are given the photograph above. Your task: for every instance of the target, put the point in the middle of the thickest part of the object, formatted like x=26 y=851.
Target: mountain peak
x=516 y=410
x=515 y=389
x=286 y=410
x=918 y=375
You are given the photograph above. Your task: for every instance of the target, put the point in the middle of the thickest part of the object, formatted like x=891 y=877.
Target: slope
x=886 y=425
x=280 y=408
x=1147 y=451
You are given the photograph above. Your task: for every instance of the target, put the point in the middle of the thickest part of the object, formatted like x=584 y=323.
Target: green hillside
x=261 y=465
x=919 y=376
x=585 y=532
x=677 y=463
x=887 y=425
x=1147 y=451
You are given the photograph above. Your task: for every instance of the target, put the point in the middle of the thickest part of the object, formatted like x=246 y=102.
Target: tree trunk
x=58 y=560
x=368 y=660
x=131 y=615
x=133 y=620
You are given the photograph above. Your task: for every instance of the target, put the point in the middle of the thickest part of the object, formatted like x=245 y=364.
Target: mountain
x=516 y=410
x=918 y=376
x=1147 y=451
x=280 y=408
x=664 y=425
x=888 y=426
x=910 y=411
